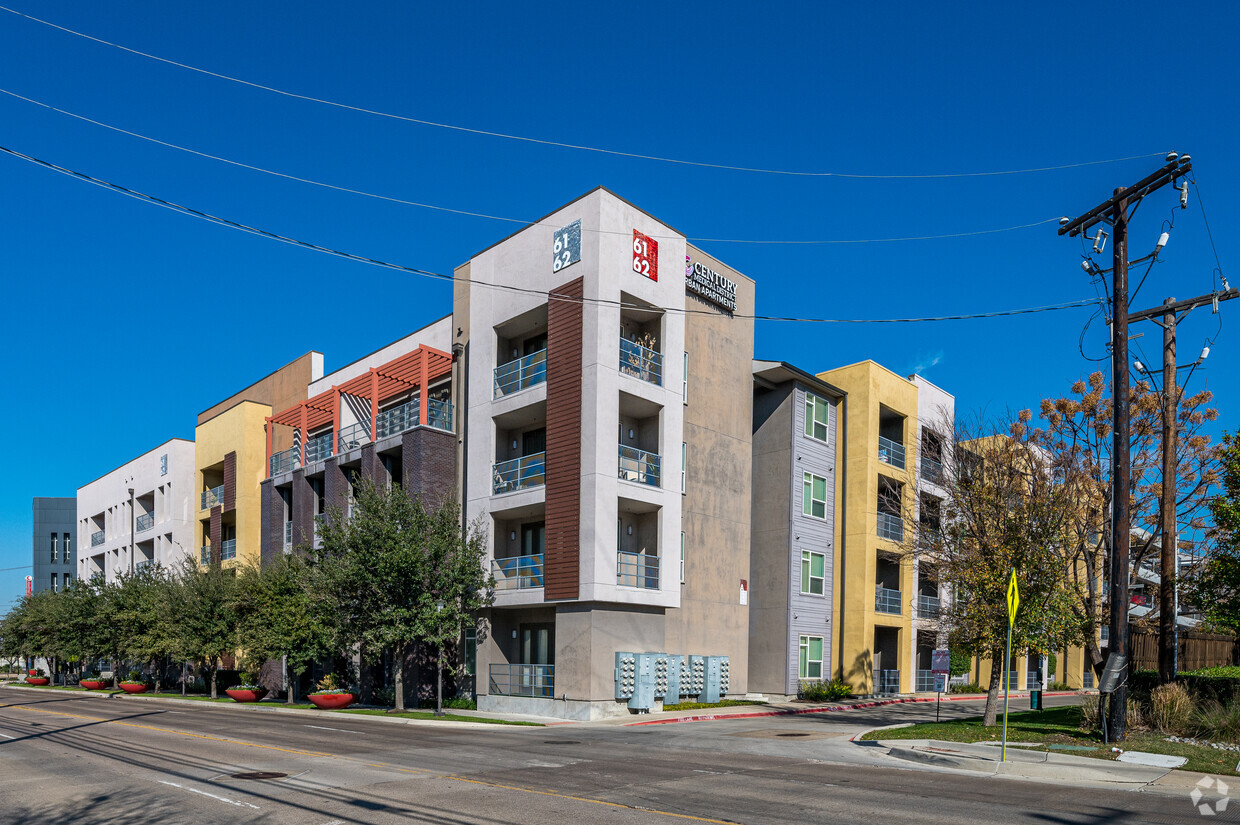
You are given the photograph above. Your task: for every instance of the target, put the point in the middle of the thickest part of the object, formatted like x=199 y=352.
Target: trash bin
x=1035 y=699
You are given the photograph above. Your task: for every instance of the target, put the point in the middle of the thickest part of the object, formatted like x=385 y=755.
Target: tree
x=1215 y=585
x=203 y=605
x=142 y=618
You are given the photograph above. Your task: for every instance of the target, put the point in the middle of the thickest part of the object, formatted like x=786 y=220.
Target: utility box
x=643 y=684
x=716 y=678
x=626 y=674
x=696 y=680
x=675 y=672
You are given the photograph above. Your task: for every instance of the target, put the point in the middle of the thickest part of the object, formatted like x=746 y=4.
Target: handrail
x=640 y=466
x=519 y=473
x=284 y=461
x=352 y=437
x=890 y=527
x=521 y=373
x=637 y=570
x=891 y=452
x=144 y=522
x=319 y=448
x=640 y=362
x=210 y=498
x=887 y=600
x=535 y=681
x=228 y=549
x=518 y=572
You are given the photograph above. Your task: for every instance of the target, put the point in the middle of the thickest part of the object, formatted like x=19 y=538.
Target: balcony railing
x=519 y=473
x=210 y=498
x=537 y=681
x=288 y=535
x=931 y=468
x=637 y=570
x=143 y=565
x=928 y=606
x=887 y=600
x=925 y=681
x=1013 y=680
x=640 y=466
x=890 y=527
x=204 y=553
x=891 y=452
x=284 y=461
x=439 y=414
x=518 y=572
x=640 y=362
x=228 y=550
x=520 y=374
x=396 y=419
x=144 y=522
x=96 y=538
x=886 y=682
x=319 y=448
x=352 y=437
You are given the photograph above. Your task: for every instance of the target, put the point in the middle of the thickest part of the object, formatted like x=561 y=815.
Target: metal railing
x=96 y=538
x=536 y=681
x=144 y=522
x=928 y=606
x=887 y=600
x=319 y=448
x=284 y=461
x=143 y=565
x=640 y=362
x=925 y=681
x=439 y=414
x=637 y=570
x=519 y=473
x=204 y=553
x=228 y=549
x=288 y=534
x=890 y=527
x=931 y=468
x=518 y=572
x=210 y=498
x=521 y=373
x=891 y=452
x=886 y=682
x=640 y=466
x=352 y=437
x=1013 y=682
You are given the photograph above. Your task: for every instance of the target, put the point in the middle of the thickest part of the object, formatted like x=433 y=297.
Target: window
x=471 y=651
x=163 y=464
x=810 y=662
x=682 y=558
x=813 y=572
x=816 y=415
x=53 y=582
x=68 y=578
x=684 y=385
x=684 y=459
x=67 y=546
x=814 y=497
x=55 y=552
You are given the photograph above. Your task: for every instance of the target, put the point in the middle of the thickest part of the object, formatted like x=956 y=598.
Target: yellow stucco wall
x=240 y=429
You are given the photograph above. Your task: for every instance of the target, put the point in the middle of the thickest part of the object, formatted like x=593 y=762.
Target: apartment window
x=682 y=558
x=814 y=497
x=471 y=651
x=816 y=413
x=53 y=582
x=684 y=460
x=55 y=552
x=813 y=572
x=810 y=662
x=67 y=548
x=68 y=578
x=684 y=381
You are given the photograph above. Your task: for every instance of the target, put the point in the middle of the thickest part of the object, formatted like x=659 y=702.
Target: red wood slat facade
x=230 y=481
x=562 y=557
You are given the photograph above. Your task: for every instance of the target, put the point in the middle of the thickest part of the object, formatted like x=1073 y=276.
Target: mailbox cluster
x=641 y=678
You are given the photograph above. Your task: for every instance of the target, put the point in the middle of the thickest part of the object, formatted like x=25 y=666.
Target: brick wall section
x=303 y=509
x=563 y=537
x=371 y=468
x=335 y=485
x=215 y=531
x=429 y=460
x=230 y=481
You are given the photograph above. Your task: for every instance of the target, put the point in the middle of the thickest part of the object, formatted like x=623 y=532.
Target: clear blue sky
x=124 y=320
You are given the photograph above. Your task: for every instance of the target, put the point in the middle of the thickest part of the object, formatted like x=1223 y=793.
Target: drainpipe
x=841 y=445
x=132 y=530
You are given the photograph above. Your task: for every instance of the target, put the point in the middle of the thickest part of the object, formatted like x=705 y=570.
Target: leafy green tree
x=141 y=615
x=1215 y=586
x=202 y=604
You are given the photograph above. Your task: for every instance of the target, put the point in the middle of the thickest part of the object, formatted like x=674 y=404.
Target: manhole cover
x=792 y=734
x=561 y=742
x=258 y=775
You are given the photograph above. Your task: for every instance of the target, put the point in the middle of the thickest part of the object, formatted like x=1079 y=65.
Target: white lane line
x=335 y=822
x=213 y=796
x=6 y=736
x=340 y=730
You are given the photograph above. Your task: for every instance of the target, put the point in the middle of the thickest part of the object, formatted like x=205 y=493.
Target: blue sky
x=124 y=320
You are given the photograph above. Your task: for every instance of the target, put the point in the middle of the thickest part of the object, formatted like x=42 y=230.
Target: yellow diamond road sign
x=1013 y=599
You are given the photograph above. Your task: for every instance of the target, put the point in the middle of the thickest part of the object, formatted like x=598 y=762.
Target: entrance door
x=538 y=660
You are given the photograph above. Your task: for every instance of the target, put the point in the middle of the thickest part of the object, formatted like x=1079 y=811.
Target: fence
x=1196 y=650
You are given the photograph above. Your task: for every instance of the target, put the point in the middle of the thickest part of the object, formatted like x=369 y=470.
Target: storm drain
x=792 y=734
x=258 y=775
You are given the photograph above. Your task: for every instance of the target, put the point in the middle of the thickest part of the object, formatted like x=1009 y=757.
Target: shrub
x=332 y=683
x=1171 y=709
x=959 y=663
x=1206 y=685
x=1138 y=717
x=1218 y=722
x=134 y=676
x=1059 y=686
x=1223 y=671
x=1091 y=707
x=453 y=702
x=969 y=687
x=814 y=691
x=385 y=696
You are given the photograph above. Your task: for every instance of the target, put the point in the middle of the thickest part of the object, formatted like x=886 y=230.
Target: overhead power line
x=562 y=144
x=185 y=210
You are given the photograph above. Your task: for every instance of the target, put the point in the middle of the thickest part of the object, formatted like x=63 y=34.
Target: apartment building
x=54 y=557
x=231 y=462
x=618 y=329
x=139 y=513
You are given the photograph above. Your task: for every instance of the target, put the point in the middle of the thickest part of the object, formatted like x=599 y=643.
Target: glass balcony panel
x=228 y=550
x=352 y=437
x=637 y=570
x=640 y=466
x=319 y=448
x=211 y=498
x=928 y=607
x=891 y=452
x=96 y=538
x=931 y=469
x=519 y=473
x=887 y=600
x=925 y=681
x=886 y=682
x=890 y=527
x=396 y=419
x=204 y=553
x=641 y=362
x=536 y=681
x=284 y=461
x=288 y=534
x=520 y=374
x=439 y=414
x=144 y=522
x=518 y=572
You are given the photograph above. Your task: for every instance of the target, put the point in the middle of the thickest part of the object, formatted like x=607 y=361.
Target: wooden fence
x=1197 y=650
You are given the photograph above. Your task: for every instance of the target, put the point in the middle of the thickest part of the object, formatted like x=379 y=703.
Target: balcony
x=211 y=498
x=204 y=553
x=641 y=362
x=886 y=682
x=144 y=522
x=228 y=550
x=887 y=600
x=535 y=681
x=288 y=536
x=351 y=437
x=439 y=414
x=637 y=570
x=145 y=564
x=96 y=538
x=640 y=466
x=284 y=462
x=928 y=607
x=1013 y=680
x=319 y=448
x=931 y=469
x=518 y=572
x=519 y=474
x=925 y=681
x=891 y=452
x=890 y=527
x=396 y=420
x=521 y=374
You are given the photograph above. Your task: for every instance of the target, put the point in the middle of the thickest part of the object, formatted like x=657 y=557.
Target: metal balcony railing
x=518 y=572
x=396 y=419
x=228 y=550
x=204 y=554
x=891 y=452
x=886 y=682
x=439 y=414
x=143 y=565
x=1013 y=680
x=925 y=681
x=284 y=461
x=931 y=469
x=536 y=681
x=890 y=527
x=640 y=362
x=928 y=606
x=319 y=448
x=521 y=373
x=519 y=473
x=887 y=600
x=144 y=522
x=352 y=437
x=288 y=535
x=210 y=498
x=637 y=570
x=640 y=466
x=96 y=538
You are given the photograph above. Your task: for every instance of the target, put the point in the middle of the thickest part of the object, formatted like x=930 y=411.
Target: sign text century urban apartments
x=709 y=284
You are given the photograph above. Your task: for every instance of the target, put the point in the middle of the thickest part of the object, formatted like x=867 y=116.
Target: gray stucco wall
x=59 y=516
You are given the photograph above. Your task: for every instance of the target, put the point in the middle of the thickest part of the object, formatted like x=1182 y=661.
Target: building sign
x=706 y=283
x=29 y=585
x=940 y=660
x=645 y=256
x=567 y=246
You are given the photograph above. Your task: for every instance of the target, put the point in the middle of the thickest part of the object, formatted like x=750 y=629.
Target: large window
x=816 y=414
x=814 y=496
x=55 y=554
x=684 y=459
x=810 y=663
x=67 y=547
x=813 y=572
x=684 y=383
x=682 y=558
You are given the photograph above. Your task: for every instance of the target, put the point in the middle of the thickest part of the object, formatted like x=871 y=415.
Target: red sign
x=645 y=256
x=29 y=585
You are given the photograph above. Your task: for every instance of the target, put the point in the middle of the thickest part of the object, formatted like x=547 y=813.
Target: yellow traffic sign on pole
x=1013 y=602
x=1013 y=598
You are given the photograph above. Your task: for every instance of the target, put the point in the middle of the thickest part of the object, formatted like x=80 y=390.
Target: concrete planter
x=94 y=684
x=38 y=680
x=332 y=701
x=133 y=687
x=245 y=695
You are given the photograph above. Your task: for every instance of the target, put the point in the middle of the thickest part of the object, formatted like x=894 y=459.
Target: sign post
x=940 y=666
x=1013 y=604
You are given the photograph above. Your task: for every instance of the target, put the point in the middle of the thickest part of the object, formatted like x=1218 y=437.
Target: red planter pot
x=245 y=695
x=332 y=701
x=94 y=684
x=38 y=680
x=133 y=688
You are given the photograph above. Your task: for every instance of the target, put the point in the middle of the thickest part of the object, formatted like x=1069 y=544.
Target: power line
x=185 y=210
x=561 y=144
x=522 y=221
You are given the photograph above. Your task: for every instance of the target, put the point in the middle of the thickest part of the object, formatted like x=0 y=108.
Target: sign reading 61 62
x=567 y=246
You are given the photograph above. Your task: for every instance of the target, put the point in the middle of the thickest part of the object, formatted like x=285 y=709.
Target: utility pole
x=1115 y=211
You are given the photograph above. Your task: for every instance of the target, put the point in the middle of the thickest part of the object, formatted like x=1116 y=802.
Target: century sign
x=706 y=283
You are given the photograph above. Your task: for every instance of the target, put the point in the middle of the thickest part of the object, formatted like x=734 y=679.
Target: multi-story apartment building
x=141 y=512
x=231 y=462
x=599 y=321
x=54 y=559
x=796 y=534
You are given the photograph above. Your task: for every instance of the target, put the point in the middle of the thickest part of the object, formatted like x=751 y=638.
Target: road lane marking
x=6 y=736
x=213 y=796
x=341 y=730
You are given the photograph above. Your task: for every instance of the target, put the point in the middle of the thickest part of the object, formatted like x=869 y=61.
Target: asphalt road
x=67 y=758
